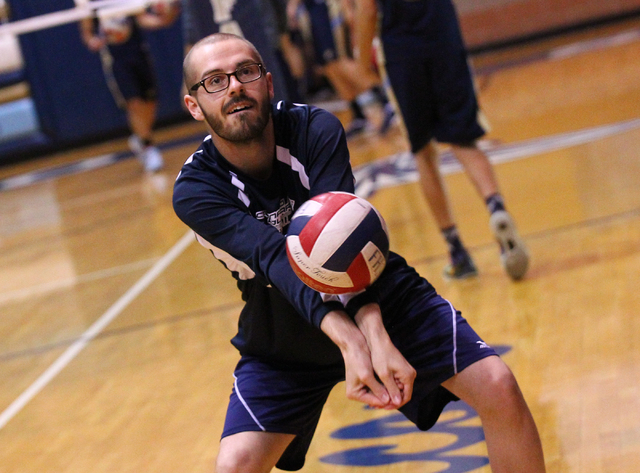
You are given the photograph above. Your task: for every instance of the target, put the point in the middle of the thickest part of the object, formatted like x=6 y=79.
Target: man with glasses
x=397 y=344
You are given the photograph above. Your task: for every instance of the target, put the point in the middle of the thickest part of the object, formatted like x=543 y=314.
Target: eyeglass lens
x=244 y=74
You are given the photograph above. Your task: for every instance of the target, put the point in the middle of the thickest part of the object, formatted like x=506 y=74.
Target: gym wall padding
x=68 y=89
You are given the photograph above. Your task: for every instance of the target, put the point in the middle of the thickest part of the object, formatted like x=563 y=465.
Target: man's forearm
x=342 y=331
x=369 y=321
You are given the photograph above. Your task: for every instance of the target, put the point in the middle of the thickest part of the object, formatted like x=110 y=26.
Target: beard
x=246 y=127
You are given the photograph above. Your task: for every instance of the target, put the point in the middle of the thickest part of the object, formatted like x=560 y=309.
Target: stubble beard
x=245 y=128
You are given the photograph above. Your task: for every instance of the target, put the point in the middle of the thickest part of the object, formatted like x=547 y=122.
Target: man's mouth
x=239 y=107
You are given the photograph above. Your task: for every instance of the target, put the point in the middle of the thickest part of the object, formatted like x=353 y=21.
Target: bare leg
x=513 y=251
x=510 y=431
x=251 y=452
x=478 y=168
x=433 y=186
x=294 y=57
x=141 y=115
x=346 y=89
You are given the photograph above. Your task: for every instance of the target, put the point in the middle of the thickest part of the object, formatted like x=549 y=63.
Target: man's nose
x=234 y=83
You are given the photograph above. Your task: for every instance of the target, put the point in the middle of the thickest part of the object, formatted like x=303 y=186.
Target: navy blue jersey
x=418 y=28
x=243 y=221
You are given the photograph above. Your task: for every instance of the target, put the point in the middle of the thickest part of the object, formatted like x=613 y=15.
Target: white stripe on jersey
x=284 y=156
x=232 y=264
x=240 y=185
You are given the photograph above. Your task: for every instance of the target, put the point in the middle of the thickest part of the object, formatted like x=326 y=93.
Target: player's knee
x=503 y=392
x=236 y=462
x=428 y=152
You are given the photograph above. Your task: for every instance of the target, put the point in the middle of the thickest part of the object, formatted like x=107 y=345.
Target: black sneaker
x=357 y=126
x=387 y=119
x=462 y=269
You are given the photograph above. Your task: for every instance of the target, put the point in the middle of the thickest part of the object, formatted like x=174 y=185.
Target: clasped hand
x=377 y=374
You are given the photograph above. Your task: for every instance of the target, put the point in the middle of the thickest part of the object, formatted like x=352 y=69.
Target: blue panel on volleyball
x=362 y=234
x=298 y=224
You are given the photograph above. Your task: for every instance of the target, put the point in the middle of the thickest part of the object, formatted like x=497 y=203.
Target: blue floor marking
x=392 y=427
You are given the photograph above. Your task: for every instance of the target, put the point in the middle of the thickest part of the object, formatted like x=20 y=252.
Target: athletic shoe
x=387 y=119
x=513 y=251
x=462 y=269
x=357 y=126
x=135 y=145
x=152 y=159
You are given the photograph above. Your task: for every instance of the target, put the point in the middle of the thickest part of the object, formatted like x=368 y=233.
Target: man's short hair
x=187 y=73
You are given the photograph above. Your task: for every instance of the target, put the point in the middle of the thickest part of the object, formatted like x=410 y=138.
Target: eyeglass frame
x=199 y=84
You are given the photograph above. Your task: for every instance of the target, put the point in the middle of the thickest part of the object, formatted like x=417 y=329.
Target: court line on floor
x=400 y=168
x=39 y=290
x=86 y=164
x=126 y=329
x=95 y=329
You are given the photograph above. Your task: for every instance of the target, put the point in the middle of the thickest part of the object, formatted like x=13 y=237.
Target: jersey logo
x=281 y=217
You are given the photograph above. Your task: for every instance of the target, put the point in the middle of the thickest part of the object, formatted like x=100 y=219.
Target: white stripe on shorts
x=455 y=338
x=246 y=406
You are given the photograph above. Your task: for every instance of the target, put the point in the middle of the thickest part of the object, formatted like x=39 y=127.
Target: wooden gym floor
x=115 y=324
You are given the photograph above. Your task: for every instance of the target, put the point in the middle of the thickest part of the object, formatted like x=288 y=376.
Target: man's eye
x=245 y=72
x=216 y=80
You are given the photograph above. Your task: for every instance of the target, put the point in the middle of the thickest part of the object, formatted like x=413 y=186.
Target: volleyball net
x=102 y=9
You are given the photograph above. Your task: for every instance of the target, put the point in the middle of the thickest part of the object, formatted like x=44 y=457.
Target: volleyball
x=337 y=243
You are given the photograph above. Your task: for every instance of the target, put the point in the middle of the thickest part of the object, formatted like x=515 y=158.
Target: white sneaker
x=513 y=252
x=135 y=145
x=152 y=159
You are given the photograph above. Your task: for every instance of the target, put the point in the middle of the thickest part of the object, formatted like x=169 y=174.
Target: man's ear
x=270 y=86
x=193 y=107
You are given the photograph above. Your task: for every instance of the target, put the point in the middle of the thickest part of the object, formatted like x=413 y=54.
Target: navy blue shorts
x=130 y=73
x=285 y=398
x=436 y=98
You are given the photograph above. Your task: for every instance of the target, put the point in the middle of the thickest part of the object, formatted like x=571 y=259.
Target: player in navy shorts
x=129 y=72
x=425 y=61
x=398 y=344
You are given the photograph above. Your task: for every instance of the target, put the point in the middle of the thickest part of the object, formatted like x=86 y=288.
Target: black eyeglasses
x=221 y=80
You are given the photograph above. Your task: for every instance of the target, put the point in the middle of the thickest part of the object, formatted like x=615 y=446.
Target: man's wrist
x=369 y=321
x=339 y=327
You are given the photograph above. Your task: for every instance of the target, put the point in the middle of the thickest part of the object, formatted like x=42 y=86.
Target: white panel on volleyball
x=315 y=272
x=335 y=232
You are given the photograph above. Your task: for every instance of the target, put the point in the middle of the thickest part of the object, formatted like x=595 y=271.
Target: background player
x=426 y=64
x=129 y=71
x=333 y=54
x=398 y=344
